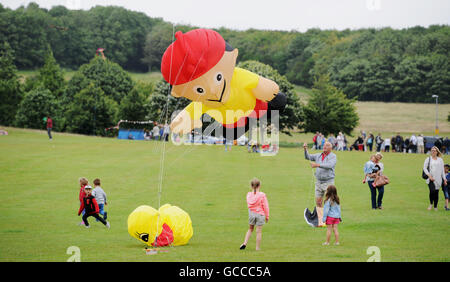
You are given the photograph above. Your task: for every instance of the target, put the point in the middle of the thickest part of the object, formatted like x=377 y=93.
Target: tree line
x=407 y=65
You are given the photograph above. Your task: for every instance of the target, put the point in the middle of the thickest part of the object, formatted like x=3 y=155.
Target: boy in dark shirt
x=90 y=207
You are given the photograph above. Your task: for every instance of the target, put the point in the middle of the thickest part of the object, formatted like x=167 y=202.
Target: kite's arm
x=266 y=89
x=183 y=123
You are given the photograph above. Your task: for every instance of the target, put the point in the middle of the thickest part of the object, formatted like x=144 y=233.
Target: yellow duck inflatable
x=169 y=225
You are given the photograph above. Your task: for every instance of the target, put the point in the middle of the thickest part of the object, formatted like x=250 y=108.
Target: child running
x=90 y=208
x=332 y=214
x=83 y=182
x=100 y=197
x=258 y=212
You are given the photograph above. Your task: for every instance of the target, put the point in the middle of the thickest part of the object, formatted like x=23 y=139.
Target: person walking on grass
x=258 y=213
x=434 y=169
x=332 y=214
x=379 y=168
x=90 y=208
x=369 y=177
x=100 y=197
x=49 y=127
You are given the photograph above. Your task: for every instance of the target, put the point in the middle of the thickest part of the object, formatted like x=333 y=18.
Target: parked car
x=431 y=141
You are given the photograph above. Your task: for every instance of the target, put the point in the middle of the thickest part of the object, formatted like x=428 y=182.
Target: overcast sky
x=297 y=15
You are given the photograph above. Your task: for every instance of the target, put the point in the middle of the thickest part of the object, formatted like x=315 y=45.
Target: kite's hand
x=182 y=123
x=266 y=89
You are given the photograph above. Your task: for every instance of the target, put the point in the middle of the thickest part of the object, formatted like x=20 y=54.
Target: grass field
x=39 y=192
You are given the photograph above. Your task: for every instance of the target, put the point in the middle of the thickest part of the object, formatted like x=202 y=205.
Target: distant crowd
x=368 y=142
x=159 y=132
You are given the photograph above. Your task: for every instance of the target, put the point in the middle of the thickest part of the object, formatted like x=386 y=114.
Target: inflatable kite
x=200 y=66
x=169 y=225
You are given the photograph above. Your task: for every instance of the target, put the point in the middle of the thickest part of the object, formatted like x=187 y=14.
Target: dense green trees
x=329 y=110
x=51 y=76
x=91 y=111
x=370 y=64
x=75 y=35
x=35 y=105
x=114 y=81
x=160 y=100
x=292 y=115
x=10 y=88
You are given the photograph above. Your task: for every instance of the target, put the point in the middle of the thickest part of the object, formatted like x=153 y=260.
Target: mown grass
x=39 y=192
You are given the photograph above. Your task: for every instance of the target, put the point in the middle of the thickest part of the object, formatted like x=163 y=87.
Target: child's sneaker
x=108 y=225
x=242 y=247
x=325 y=244
x=81 y=223
x=88 y=226
x=336 y=244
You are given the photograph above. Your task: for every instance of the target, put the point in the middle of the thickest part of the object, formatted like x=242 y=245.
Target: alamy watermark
x=262 y=131
x=75 y=254
x=374 y=253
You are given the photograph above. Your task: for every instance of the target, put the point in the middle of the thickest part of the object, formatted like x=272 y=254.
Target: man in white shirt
x=413 y=141
x=420 y=144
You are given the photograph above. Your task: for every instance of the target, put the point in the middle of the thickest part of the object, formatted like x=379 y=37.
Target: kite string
x=162 y=158
x=165 y=112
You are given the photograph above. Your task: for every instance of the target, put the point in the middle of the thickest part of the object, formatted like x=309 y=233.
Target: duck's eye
x=199 y=90
x=144 y=237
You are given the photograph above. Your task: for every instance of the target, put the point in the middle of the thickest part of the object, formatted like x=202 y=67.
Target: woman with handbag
x=379 y=167
x=433 y=172
x=369 y=177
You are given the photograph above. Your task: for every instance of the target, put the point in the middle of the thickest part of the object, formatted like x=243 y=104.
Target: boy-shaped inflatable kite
x=200 y=66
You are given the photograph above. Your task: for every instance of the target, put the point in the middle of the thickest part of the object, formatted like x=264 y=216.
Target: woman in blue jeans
x=379 y=171
x=371 y=169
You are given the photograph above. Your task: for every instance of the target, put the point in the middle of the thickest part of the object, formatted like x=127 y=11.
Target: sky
x=298 y=15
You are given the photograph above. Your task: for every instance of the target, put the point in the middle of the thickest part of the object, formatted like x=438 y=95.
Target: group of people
x=158 y=132
x=339 y=142
x=92 y=202
x=436 y=173
x=370 y=142
x=413 y=144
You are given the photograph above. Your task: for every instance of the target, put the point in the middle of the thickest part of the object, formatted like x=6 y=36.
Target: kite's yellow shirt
x=240 y=104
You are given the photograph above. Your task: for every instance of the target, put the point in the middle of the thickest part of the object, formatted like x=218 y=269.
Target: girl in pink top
x=258 y=213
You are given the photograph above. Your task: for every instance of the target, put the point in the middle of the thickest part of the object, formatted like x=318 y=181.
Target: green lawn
x=39 y=192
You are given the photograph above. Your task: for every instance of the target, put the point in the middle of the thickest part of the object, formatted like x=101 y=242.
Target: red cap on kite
x=191 y=55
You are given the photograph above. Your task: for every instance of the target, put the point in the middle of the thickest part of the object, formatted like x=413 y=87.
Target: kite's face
x=142 y=224
x=212 y=88
x=141 y=229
